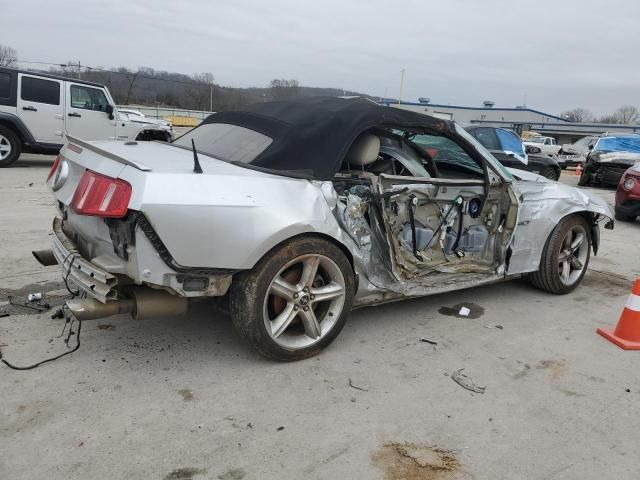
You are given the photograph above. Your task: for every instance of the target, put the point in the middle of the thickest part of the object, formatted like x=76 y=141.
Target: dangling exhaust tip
x=46 y=258
x=141 y=303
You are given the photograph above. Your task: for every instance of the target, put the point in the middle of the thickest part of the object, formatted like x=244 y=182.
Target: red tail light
x=54 y=167
x=101 y=196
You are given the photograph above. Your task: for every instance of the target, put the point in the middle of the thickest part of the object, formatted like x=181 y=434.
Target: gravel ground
x=184 y=398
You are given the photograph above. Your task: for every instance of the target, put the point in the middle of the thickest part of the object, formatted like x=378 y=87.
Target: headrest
x=365 y=150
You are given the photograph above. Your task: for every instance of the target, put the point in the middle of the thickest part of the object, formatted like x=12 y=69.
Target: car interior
x=430 y=198
x=393 y=152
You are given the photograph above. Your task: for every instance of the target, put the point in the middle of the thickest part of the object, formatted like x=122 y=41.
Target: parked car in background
x=547 y=145
x=293 y=212
x=628 y=195
x=509 y=149
x=136 y=116
x=37 y=110
x=609 y=159
x=573 y=154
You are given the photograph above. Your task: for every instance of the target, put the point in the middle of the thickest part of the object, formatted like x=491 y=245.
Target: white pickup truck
x=37 y=110
x=547 y=145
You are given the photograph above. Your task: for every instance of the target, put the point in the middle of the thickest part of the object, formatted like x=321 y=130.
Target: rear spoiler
x=81 y=143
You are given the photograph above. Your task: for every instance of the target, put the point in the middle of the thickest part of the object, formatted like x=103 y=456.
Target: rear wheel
x=10 y=146
x=565 y=257
x=295 y=301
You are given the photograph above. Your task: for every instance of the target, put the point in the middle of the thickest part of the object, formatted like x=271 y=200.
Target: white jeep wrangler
x=37 y=110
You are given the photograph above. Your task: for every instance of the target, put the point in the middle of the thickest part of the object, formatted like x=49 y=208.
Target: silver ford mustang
x=292 y=213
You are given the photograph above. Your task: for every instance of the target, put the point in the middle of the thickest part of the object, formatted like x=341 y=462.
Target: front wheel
x=585 y=178
x=565 y=257
x=550 y=173
x=296 y=299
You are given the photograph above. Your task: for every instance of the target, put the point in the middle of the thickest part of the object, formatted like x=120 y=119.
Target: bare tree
x=608 y=119
x=8 y=56
x=131 y=81
x=282 y=88
x=201 y=92
x=627 y=114
x=578 y=115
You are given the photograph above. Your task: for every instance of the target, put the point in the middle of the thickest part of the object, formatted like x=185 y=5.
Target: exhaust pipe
x=45 y=257
x=91 y=309
x=142 y=303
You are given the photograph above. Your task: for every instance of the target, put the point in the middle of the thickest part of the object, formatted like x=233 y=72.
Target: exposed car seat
x=364 y=151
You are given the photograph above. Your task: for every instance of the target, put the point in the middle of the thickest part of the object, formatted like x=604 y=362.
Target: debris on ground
x=463 y=310
x=22 y=302
x=4 y=314
x=356 y=387
x=431 y=342
x=38 y=307
x=32 y=297
x=465 y=382
x=498 y=327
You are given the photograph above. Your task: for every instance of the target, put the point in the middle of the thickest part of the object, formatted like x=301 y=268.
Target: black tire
x=249 y=292
x=585 y=179
x=547 y=277
x=621 y=217
x=550 y=173
x=13 y=142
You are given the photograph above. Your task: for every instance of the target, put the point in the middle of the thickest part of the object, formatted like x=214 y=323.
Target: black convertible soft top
x=312 y=135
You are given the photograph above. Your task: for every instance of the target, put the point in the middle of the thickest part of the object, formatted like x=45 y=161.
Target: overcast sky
x=553 y=55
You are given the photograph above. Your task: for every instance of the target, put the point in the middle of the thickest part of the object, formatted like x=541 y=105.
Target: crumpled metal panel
x=542 y=205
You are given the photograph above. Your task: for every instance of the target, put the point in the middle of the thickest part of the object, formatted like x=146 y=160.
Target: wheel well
x=590 y=219
x=322 y=236
x=6 y=123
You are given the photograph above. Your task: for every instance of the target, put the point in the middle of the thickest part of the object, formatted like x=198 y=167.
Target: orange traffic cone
x=579 y=169
x=627 y=332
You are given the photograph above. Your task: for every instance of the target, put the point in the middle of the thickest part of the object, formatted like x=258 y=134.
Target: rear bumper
x=630 y=208
x=94 y=281
x=99 y=276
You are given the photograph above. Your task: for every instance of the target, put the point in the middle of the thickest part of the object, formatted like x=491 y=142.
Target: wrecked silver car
x=292 y=213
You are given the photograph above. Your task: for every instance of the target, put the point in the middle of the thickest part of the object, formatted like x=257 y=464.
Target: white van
x=37 y=110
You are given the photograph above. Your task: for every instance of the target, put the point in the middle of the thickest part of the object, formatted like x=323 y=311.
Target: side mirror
x=591 y=147
x=532 y=149
x=109 y=111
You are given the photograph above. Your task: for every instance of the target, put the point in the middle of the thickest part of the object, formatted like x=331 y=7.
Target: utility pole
x=211 y=99
x=401 y=85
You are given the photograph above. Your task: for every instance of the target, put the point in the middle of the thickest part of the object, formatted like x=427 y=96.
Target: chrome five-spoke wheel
x=304 y=301
x=294 y=301
x=573 y=255
x=565 y=257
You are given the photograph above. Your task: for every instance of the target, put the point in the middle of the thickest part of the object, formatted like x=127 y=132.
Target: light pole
x=401 y=85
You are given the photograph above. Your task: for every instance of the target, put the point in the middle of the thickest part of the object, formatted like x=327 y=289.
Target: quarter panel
x=232 y=221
